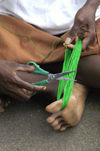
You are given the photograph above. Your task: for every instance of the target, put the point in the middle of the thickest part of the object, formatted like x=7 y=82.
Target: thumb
x=71 y=35
x=39 y=88
x=90 y=37
x=25 y=68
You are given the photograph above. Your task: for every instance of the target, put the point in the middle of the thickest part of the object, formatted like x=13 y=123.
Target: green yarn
x=70 y=63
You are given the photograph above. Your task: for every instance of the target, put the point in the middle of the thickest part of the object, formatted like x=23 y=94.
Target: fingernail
x=68 y=41
x=64 y=44
x=44 y=88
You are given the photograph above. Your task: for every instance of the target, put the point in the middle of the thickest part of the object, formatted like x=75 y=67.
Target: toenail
x=49 y=120
x=54 y=123
x=57 y=127
x=63 y=128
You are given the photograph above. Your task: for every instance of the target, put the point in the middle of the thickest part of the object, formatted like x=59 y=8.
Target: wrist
x=92 y=4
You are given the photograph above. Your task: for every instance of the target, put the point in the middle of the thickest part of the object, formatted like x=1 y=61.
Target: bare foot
x=71 y=115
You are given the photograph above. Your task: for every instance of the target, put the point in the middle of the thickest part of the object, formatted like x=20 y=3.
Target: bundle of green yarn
x=70 y=63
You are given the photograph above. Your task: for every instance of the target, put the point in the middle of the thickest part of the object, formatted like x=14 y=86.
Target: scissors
x=57 y=76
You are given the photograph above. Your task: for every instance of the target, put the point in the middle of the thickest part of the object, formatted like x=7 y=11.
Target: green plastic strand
x=70 y=63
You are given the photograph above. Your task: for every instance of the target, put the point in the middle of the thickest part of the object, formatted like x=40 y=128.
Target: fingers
x=25 y=68
x=20 y=93
x=89 y=37
x=68 y=41
x=85 y=43
x=24 y=94
x=23 y=84
x=39 y=88
x=70 y=45
x=72 y=35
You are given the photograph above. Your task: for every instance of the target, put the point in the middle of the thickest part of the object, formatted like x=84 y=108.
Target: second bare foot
x=71 y=115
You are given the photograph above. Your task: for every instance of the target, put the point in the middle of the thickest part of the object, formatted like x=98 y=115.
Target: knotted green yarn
x=70 y=63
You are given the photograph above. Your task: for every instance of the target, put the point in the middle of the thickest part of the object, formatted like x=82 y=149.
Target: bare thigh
x=88 y=70
x=88 y=73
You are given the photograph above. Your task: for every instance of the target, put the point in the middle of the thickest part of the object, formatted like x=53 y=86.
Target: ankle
x=79 y=91
x=80 y=87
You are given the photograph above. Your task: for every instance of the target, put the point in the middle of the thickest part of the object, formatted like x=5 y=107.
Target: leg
x=88 y=74
x=30 y=44
x=89 y=71
x=87 y=66
x=31 y=78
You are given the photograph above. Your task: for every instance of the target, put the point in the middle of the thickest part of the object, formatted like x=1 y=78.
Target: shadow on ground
x=23 y=128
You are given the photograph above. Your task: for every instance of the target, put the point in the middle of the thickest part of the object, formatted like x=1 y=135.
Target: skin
x=71 y=115
x=89 y=75
x=12 y=85
x=84 y=27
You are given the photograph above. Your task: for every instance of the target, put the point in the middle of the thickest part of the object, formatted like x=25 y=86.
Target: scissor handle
x=37 y=69
x=41 y=83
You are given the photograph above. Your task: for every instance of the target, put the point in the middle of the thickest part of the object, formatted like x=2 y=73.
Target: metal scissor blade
x=66 y=79
x=63 y=73
x=58 y=75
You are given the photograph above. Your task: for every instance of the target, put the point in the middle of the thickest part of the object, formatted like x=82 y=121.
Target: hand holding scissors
x=57 y=76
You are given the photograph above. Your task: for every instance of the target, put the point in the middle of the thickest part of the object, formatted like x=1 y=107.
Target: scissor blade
x=66 y=79
x=58 y=75
x=63 y=73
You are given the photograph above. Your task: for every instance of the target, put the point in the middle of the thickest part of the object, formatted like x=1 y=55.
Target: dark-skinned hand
x=84 y=28
x=14 y=86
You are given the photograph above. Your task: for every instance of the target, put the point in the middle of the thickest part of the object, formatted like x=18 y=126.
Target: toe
x=53 y=117
x=58 y=127
x=54 y=107
x=56 y=122
x=63 y=128
x=50 y=119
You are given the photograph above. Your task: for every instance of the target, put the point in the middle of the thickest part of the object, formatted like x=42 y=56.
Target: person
x=39 y=31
